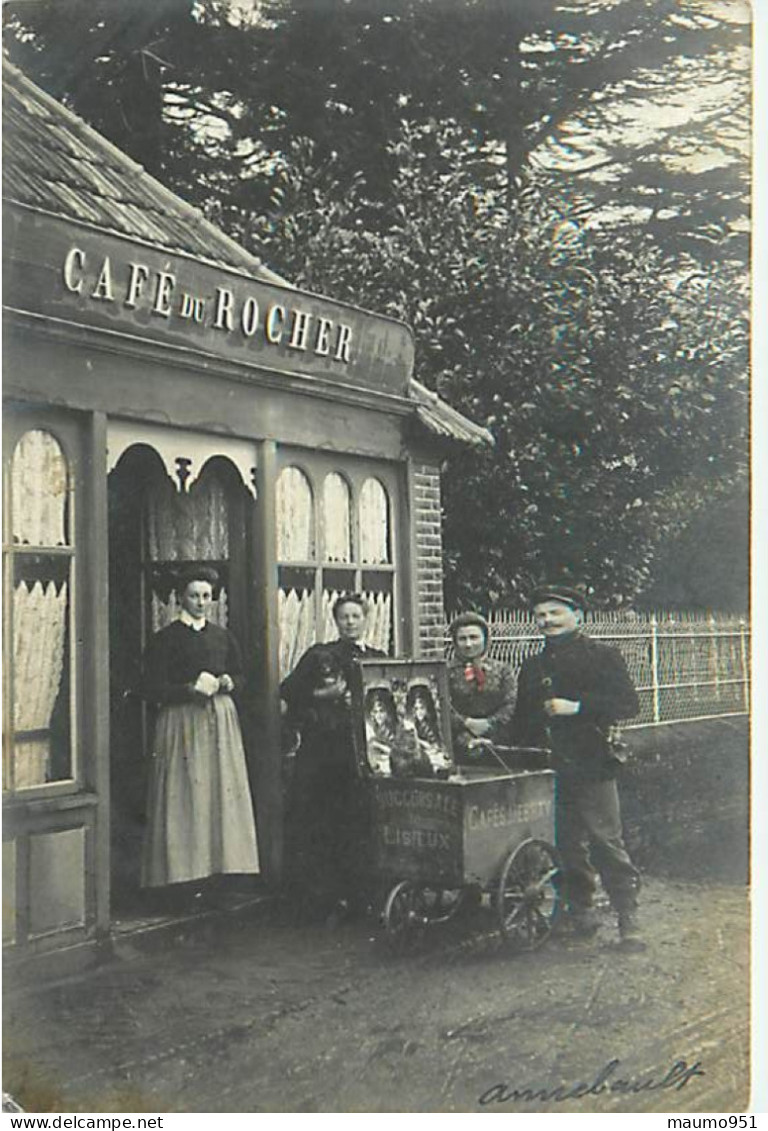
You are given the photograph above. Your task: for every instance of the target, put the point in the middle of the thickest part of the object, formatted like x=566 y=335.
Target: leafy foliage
x=613 y=377
x=553 y=194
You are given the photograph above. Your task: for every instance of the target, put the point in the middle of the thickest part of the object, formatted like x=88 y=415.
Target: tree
x=105 y=60
x=584 y=88
x=706 y=564
x=616 y=390
x=645 y=104
x=500 y=175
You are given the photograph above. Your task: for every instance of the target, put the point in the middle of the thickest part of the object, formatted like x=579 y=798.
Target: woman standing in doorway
x=200 y=813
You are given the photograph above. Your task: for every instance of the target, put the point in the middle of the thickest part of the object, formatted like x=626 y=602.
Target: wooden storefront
x=168 y=399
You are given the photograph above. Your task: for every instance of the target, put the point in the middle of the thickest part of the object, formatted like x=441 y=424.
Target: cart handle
x=522 y=749
x=498 y=750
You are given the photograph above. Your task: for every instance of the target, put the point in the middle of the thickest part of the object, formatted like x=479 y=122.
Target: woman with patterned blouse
x=482 y=690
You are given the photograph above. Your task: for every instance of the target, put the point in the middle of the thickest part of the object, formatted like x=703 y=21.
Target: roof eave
x=445 y=423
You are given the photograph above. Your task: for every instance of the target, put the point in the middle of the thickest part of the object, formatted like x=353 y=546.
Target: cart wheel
x=405 y=916
x=527 y=898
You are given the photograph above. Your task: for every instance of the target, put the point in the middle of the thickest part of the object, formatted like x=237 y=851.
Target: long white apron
x=200 y=814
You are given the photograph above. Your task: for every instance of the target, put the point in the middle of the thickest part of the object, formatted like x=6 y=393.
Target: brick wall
x=428 y=558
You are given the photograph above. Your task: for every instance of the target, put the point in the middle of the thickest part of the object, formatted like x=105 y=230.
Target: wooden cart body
x=448 y=834
x=437 y=839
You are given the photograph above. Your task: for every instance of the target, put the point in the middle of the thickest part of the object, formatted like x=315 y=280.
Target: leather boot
x=630 y=935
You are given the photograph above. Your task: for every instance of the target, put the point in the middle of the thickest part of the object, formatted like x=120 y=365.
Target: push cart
x=442 y=843
x=462 y=835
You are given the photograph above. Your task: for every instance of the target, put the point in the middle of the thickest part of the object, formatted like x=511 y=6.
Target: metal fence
x=686 y=666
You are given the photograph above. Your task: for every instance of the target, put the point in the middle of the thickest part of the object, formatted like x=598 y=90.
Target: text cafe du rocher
x=137 y=286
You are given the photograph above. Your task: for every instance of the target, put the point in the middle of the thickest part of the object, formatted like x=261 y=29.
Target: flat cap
x=571 y=595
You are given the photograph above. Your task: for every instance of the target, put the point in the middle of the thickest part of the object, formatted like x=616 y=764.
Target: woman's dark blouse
x=325 y=725
x=177 y=655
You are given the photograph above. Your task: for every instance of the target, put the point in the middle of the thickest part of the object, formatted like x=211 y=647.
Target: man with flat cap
x=569 y=695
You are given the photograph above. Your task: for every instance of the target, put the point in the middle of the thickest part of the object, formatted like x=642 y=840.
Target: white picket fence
x=686 y=666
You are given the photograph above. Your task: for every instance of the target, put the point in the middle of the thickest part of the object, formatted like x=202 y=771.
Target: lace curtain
x=38 y=511
x=374 y=523
x=39 y=633
x=296 y=617
x=296 y=614
x=188 y=527
x=379 y=633
x=39 y=491
x=336 y=511
x=295 y=520
x=329 y=624
x=191 y=527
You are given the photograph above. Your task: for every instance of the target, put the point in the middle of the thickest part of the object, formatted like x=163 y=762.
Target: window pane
x=330 y=596
x=336 y=510
x=41 y=709
x=378 y=593
x=39 y=491
x=296 y=618
x=191 y=527
x=340 y=580
x=295 y=521
x=335 y=582
x=374 y=523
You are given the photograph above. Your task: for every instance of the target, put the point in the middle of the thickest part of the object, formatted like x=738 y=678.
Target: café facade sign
x=83 y=275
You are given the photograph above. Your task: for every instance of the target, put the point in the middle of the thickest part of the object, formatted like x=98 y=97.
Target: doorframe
x=266 y=627
x=97 y=612
x=185 y=454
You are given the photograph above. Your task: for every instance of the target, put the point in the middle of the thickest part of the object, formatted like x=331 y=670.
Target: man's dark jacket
x=575 y=667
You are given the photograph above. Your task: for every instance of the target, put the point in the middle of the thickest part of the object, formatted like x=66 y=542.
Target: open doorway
x=155 y=531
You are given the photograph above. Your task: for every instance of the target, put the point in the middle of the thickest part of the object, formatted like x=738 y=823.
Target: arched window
x=336 y=517
x=39 y=560
x=374 y=524
x=295 y=517
x=39 y=480
x=352 y=550
x=190 y=526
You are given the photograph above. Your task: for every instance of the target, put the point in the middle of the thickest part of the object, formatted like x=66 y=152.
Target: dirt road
x=259 y=1016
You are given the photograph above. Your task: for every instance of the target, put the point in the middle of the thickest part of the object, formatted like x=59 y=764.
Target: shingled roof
x=53 y=161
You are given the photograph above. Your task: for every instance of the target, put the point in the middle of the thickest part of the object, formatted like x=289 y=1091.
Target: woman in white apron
x=200 y=813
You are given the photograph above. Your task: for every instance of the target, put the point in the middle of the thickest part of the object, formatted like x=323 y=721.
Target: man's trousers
x=590 y=840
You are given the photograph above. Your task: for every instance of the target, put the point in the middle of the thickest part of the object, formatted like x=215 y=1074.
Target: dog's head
x=325 y=667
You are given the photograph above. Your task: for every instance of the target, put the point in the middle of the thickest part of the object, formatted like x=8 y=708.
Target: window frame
x=68 y=433
x=355 y=471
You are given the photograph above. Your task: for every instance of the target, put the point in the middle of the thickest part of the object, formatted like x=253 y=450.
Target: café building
x=168 y=399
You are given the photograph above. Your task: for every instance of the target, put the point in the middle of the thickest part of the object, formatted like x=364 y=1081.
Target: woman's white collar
x=191 y=622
